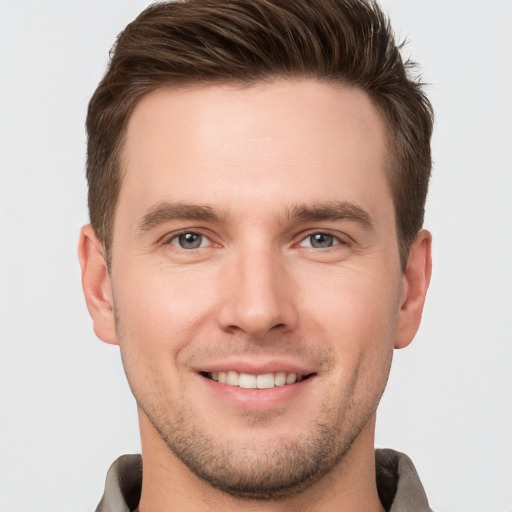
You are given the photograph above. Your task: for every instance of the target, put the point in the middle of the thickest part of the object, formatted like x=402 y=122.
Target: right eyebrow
x=333 y=210
x=164 y=212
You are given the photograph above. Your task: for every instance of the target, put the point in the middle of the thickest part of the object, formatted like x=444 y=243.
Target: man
x=257 y=178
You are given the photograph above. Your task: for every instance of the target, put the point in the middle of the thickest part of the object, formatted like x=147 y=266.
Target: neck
x=168 y=485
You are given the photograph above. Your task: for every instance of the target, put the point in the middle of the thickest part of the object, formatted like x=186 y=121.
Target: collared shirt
x=398 y=484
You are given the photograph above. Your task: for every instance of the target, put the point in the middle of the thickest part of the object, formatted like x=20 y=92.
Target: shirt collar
x=398 y=484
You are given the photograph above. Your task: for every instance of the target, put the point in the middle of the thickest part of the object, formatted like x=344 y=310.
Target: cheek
x=156 y=318
x=357 y=321
x=157 y=307
x=351 y=310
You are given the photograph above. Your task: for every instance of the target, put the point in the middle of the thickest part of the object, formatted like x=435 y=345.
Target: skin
x=255 y=172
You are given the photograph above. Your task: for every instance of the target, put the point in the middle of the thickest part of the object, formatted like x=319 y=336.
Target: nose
x=257 y=295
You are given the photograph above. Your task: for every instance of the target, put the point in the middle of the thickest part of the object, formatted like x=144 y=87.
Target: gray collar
x=398 y=484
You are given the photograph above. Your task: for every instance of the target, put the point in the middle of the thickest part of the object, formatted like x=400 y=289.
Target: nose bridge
x=257 y=294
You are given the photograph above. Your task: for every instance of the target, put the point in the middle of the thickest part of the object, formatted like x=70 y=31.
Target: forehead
x=266 y=144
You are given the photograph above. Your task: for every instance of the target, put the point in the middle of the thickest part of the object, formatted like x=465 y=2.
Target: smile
x=250 y=381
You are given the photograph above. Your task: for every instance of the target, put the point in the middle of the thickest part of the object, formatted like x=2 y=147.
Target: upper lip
x=256 y=368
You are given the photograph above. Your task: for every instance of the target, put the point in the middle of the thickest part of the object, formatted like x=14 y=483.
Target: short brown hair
x=188 y=42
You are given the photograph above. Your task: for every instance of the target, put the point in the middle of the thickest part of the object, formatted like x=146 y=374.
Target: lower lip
x=257 y=399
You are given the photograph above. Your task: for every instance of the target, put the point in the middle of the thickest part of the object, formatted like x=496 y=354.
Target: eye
x=189 y=240
x=320 y=241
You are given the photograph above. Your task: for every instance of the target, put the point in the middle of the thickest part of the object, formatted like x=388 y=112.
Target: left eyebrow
x=331 y=211
x=167 y=212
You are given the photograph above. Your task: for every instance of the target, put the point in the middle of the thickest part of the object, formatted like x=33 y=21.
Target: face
x=255 y=278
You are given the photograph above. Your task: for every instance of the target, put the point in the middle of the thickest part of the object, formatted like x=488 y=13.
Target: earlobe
x=96 y=285
x=415 y=282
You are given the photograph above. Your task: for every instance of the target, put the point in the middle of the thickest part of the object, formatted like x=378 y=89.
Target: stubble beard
x=275 y=471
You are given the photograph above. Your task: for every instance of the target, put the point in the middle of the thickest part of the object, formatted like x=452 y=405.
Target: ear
x=415 y=283
x=96 y=285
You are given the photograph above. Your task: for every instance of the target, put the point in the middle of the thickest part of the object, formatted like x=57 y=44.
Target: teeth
x=280 y=379
x=249 y=381
x=291 y=378
x=246 y=381
x=265 y=381
x=232 y=378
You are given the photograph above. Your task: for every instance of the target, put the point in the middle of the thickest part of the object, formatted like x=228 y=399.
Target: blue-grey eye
x=190 y=240
x=322 y=240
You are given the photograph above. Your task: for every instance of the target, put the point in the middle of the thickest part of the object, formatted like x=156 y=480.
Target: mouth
x=251 y=381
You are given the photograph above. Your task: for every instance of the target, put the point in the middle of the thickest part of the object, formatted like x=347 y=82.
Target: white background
x=65 y=410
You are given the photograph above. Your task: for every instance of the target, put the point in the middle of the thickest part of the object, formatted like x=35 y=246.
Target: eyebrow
x=166 y=212
x=333 y=211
